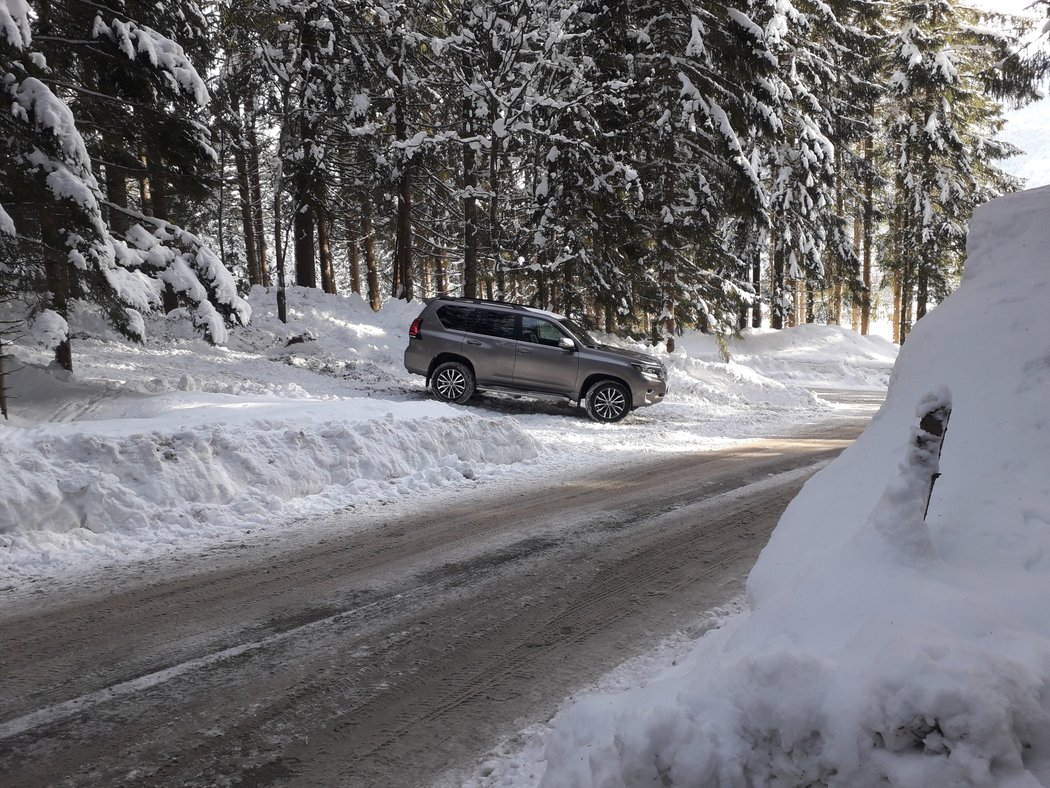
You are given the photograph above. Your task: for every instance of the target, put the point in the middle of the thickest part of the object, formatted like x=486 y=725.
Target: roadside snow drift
x=879 y=649
x=99 y=486
x=175 y=443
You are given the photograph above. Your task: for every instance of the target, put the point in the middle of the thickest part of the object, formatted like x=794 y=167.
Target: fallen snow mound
x=808 y=355
x=879 y=648
x=103 y=490
x=819 y=356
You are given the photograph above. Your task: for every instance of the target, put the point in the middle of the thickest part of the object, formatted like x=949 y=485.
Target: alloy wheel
x=450 y=384
x=609 y=402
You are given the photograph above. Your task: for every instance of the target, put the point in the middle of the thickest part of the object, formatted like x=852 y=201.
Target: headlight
x=654 y=371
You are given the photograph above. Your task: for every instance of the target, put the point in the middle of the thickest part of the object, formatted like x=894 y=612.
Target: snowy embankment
x=173 y=443
x=878 y=648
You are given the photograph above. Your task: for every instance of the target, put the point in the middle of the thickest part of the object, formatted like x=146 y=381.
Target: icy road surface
x=387 y=656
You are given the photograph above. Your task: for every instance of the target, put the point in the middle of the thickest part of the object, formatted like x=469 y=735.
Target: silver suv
x=462 y=345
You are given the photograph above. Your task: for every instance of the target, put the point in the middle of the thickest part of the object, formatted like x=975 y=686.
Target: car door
x=490 y=346
x=541 y=364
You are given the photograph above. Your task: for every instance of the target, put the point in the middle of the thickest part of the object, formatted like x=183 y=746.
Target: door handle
x=473 y=342
x=526 y=351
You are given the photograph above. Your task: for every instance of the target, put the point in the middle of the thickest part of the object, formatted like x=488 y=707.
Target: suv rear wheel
x=452 y=382
x=608 y=401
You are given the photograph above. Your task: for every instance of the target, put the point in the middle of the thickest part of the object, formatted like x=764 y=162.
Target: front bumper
x=655 y=392
x=647 y=391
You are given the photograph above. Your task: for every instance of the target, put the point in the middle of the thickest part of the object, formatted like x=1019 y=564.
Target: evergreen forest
x=644 y=166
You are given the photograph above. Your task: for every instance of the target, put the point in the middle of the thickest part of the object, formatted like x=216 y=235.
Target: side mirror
x=566 y=344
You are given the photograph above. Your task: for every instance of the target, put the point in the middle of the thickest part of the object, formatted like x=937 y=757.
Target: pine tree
x=643 y=204
x=940 y=126
x=803 y=158
x=7 y=293
x=582 y=186
x=493 y=64
x=76 y=241
x=705 y=72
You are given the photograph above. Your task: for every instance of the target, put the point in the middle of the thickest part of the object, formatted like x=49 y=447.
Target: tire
x=452 y=382
x=608 y=401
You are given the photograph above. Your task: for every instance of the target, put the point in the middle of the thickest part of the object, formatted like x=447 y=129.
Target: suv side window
x=495 y=324
x=456 y=318
x=539 y=331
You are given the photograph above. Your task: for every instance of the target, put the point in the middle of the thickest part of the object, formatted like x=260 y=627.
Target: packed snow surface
x=173 y=444
x=876 y=648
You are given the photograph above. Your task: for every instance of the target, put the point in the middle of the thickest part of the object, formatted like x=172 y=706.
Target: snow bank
x=807 y=355
x=176 y=443
x=879 y=649
x=98 y=485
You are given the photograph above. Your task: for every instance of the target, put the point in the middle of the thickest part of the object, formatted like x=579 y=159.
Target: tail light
x=413 y=330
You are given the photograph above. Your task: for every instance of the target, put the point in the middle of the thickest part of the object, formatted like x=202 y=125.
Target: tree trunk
x=145 y=198
x=56 y=270
x=403 y=243
x=470 y=206
x=838 y=273
x=668 y=292
x=368 y=238
x=777 y=299
x=279 y=253
x=3 y=383
x=426 y=275
x=897 y=321
x=906 y=275
x=158 y=188
x=306 y=176
x=869 y=237
x=305 y=262
x=494 y=239
x=756 y=280
x=244 y=192
x=427 y=265
x=254 y=177
x=220 y=211
x=667 y=234
x=395 y=274
x=858 y=250
x=324 y=248
x=158 y=198
x=442 y=271
x=117 y=193
x=907 y=287
x=354 y=253
x=922 y=296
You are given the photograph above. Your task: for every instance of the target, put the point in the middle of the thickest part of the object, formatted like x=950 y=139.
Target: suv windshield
x=578 y=331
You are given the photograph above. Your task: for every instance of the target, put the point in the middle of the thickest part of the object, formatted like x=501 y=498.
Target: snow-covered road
x=388 y=654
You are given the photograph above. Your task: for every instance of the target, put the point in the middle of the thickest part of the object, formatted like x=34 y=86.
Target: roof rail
x=485 y=301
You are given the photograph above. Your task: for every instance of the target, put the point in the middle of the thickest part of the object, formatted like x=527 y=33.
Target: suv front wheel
x=608 y=401
x=452 y=382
